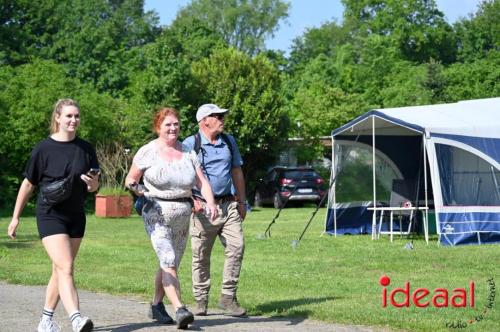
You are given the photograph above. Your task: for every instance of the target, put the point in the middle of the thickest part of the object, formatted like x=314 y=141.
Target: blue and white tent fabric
x=450 y=152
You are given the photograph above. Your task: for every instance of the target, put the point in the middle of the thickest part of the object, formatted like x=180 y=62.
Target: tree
x=249 y=88
x=26 y=28
x=95 y=39
x=479 y=34
x=165 y=81
x=405 y=86
x=375 y=58
x=315 y=41
x=191 y=38
x=417 y=27
x=479 y=79
x=98 y=40
x=243 y=24
x=320 y=105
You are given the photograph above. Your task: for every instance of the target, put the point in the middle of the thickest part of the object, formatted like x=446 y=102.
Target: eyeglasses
x=219 y=116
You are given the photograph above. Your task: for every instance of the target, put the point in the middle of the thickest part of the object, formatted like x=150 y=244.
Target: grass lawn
x=324 y=278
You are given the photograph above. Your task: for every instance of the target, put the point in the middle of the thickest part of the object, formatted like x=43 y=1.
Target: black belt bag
x=60 y=190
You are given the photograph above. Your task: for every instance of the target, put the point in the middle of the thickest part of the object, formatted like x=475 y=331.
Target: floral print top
x=167 y=179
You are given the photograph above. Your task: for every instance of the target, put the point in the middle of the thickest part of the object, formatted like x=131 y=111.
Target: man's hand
x=242 y=209
x=197 y=206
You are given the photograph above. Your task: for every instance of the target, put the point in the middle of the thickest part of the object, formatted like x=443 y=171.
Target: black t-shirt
x=52 y=160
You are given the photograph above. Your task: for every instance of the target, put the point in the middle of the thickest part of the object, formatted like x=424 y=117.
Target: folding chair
x=401 y=204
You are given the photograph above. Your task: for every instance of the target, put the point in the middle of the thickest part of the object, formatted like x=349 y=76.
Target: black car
x=297 y=184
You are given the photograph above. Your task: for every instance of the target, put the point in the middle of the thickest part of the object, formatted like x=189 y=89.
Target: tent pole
x=374 y=223
x=424 y=143
x=332 y=178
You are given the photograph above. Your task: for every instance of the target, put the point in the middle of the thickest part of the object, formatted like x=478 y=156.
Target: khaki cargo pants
x=228 y=227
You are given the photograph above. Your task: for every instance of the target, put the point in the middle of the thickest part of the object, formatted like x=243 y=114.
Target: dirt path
x=20 y=308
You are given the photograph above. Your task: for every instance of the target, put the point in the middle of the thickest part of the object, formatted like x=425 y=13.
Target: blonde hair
x=54 y=126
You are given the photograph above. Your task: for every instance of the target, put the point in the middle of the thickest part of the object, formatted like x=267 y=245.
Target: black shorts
x=53 y=222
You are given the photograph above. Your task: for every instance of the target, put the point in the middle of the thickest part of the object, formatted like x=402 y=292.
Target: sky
x=307 y=14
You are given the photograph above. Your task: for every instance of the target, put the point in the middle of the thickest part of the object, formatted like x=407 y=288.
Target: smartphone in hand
x=137 y=187
x=93 y=172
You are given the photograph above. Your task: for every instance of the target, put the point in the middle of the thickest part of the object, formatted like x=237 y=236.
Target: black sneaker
x=158 y=313
x=184 y=317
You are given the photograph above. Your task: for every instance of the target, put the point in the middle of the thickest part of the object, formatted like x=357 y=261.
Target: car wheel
x=277 y=202
x=257 y=200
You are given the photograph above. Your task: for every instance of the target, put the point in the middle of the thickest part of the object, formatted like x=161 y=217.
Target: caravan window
x=466 y=179
x=353 y=162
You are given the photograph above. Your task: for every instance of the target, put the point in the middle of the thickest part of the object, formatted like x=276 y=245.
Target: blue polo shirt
x=217 y=163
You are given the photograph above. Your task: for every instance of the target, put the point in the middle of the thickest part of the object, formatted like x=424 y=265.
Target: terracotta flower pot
x=113 y=206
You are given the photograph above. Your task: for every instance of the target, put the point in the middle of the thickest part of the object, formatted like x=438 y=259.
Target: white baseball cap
x=207 y=109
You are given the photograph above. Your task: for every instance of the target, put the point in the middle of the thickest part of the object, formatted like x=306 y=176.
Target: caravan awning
x=478 y=118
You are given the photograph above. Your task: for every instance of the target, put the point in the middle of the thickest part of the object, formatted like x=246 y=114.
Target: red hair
x=161 y=114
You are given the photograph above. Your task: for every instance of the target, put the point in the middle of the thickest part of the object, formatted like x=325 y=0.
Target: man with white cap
x=221 y=162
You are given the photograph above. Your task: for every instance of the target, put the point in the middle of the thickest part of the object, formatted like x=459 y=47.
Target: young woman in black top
x=61 y=226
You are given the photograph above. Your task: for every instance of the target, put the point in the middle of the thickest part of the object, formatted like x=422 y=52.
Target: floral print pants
x=167 y=224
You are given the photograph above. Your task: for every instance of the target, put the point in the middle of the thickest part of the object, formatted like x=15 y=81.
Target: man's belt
x=218 y=199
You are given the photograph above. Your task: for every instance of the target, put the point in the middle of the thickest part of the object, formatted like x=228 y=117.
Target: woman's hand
x=11 y=230
x=23 y=195
x=138 y=189
x=212 y=208
x=92 y=181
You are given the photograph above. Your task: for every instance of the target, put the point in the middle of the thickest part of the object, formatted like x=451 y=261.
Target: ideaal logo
x=439 y=298
x=420 y=296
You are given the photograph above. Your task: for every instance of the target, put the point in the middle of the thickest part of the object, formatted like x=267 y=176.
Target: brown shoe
x=231 y=306
x=201 y=308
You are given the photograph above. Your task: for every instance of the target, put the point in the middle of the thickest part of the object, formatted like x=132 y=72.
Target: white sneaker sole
x=87 y=327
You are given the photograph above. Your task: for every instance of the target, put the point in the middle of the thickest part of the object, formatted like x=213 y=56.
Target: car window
x=274 y=175
x=304 y=175
x=270 y=176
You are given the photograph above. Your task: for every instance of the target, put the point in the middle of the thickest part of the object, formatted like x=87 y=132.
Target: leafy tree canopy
x=315 y=41
x=479 y=34
x=417 y=27
x=243 y=24
x=93 y=38
x=479 y=79
x=192 y=38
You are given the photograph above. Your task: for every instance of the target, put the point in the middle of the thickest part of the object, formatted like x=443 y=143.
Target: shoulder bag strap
x=76 y=155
